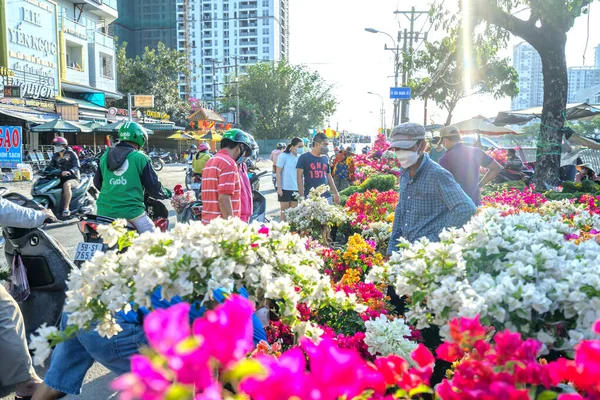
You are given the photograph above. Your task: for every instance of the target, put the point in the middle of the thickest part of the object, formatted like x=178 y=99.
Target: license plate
x=195 y=186
x=85 y=251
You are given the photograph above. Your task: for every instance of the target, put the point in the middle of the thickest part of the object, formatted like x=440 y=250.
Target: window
x=265 y=50
x=265 y=31
x=265 y=22
x=74 y=54
x=106 y=66
x=265 y=40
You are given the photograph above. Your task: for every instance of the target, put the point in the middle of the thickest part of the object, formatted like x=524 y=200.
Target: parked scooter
x=47 y=266
x=259 y=208
x=47 y=192
x=92 y=242
x=255 y=179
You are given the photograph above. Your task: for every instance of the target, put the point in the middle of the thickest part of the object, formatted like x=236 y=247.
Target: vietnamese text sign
x=143 y=101
x=11 y=145
x=400 y=93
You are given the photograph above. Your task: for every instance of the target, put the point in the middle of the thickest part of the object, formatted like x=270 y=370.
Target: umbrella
x=573 y=112
x=211 y=137
x=482 y=126
x=181 y=136
x=115 y=127
x=93 y=125
x=61 y=126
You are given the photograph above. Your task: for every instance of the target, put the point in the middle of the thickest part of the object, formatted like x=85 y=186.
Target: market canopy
x=211 y=137
x=61 y=126
x=181 y=136
x=205 y=114
x=115 y=127
x=482 y=126
x=573 y=112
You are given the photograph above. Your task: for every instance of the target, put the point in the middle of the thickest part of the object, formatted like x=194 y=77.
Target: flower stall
x=514 y=295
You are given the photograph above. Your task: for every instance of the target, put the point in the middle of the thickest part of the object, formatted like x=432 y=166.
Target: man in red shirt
x=221 y=180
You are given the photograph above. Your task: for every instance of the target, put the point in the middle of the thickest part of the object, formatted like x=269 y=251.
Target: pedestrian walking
x=437 y=149
x=464 y=162
x=431 y=200
x=274 y=156
x=287 y=178
x=343 y=169
x=313 y=170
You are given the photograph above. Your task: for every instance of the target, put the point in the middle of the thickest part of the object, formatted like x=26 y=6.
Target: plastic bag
x=19 y=284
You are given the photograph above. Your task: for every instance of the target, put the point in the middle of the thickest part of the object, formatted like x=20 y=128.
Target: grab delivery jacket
x=123 y=175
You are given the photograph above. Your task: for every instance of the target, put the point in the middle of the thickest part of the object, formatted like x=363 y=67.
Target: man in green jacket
x=123 y=175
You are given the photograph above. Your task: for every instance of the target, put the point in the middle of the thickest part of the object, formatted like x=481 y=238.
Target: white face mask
x=407 y=158
x=58 y=149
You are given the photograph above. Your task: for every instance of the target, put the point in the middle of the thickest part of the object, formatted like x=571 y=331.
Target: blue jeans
x=72 y=359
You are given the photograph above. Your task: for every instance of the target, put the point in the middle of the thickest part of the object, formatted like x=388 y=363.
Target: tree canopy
x=492 y=74
x=156 y=73
x=288 y=100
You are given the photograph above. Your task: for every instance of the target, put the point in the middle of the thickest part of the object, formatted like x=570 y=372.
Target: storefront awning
x=162 y=127
x=27 y=115
x=83 y=104
x=76 y=88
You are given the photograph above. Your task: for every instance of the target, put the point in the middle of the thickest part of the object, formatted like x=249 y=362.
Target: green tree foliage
x=288 y=100
x=492 y=75
x=156 y=73
x=247 y=113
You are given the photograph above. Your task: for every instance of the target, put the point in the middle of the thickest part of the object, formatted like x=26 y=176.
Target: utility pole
x=214 y=69
x=408 y=37
x=237 y=94
x=188 y=47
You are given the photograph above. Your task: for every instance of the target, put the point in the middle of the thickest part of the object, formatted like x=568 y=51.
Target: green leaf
x=422 y=389
x=179 y=392
x=418 y=297
x=547 y=395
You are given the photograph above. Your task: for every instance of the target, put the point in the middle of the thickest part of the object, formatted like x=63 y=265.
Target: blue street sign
x=11 y=146
x=400 y=93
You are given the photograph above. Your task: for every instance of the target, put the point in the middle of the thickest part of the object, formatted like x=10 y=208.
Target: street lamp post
x=382 y=112
x=396 y=51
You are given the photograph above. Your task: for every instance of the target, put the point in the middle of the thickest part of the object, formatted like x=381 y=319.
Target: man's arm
x=396 y=231
x=460 y=206
x=20 y=217
x=98 y=178
x=151 y=183
x=225 y=206
x=300 y=179
x=334 y=191
x=494 y=170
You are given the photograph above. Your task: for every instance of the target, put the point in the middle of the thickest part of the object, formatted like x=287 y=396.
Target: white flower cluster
x=314 y=212
x=385 y=337
x=516 y=272
x=380 y=232
x=194 y=259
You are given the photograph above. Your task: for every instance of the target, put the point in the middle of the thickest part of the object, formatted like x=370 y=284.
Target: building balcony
x=105 y=9
x=74 y=73
x=98 y=38
x=73 y=29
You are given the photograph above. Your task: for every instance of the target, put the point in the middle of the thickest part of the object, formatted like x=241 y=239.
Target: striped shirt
x=220 y=176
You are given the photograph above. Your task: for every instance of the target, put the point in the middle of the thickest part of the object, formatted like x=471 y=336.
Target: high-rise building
x=581 y=78
x=597 y=56
x=144 y=23
x=528 y=64
x=219 y=35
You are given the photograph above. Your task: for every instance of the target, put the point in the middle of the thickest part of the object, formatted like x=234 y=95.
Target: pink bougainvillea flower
x=145 y=381
x=165 y=328
x=336 y=372
x=597 y=327
x=264 y=231
x=449 y=352
x=191 y=364
x=286 y=378
x=227 y=331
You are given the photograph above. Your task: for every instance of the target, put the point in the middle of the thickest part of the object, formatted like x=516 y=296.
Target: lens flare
x=467 y=43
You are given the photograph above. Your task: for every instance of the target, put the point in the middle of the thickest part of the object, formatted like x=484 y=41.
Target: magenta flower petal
x=165 y=328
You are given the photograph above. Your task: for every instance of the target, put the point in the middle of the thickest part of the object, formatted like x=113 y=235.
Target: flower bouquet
x=314 y=216
x=181 y=200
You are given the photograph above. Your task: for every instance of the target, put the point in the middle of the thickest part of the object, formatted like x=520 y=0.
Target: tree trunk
x=549 y=145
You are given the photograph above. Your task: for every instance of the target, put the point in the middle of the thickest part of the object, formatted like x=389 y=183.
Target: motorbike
x=255 y=179
x=47 y=266
x=259 y=208
x=92 y=242
x=47 y=192
x=157 y=162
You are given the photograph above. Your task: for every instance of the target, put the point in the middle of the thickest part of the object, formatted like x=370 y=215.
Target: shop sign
x=11 y=145
x=143 y=101
x=157 y=115
x=40 y=104
x=121 y=112
x=32 y=40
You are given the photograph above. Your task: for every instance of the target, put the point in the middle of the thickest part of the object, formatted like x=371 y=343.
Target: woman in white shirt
x=287 y=181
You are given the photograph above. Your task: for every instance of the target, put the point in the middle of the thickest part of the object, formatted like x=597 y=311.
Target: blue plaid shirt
x=429 y=202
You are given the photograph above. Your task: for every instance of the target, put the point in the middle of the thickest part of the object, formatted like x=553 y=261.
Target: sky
x=329 y=37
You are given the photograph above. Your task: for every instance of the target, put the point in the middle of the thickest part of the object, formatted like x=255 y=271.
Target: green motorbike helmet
x=134 y=133
x=236 y=136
